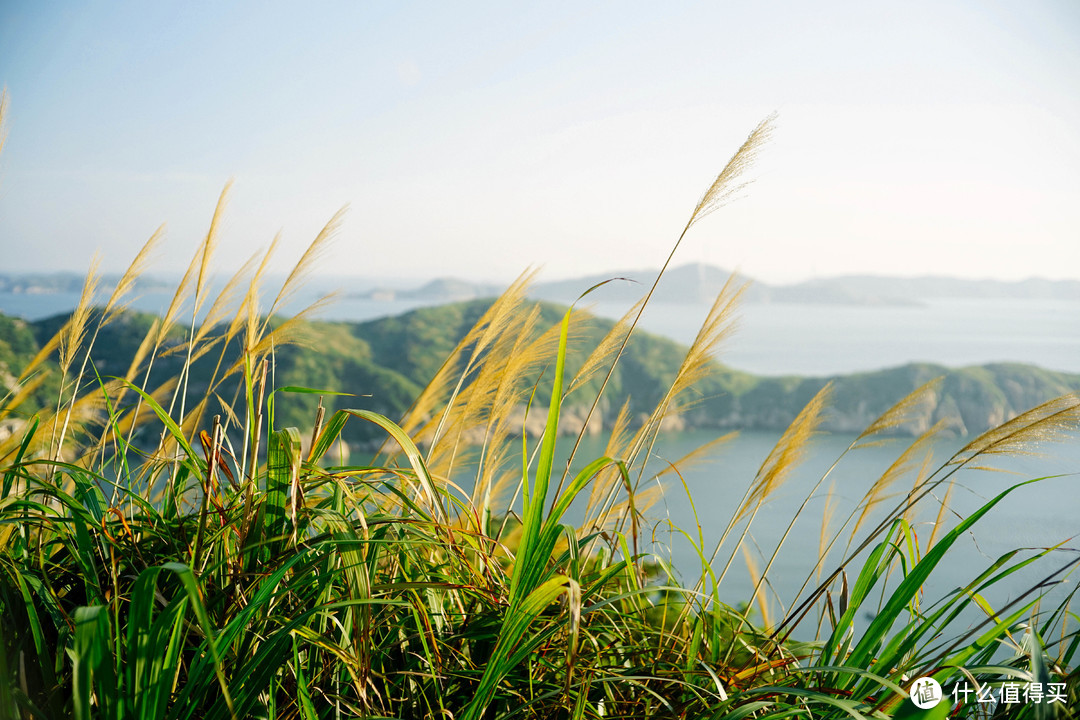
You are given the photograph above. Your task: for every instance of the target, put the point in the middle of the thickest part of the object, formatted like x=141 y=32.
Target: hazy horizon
x=172 y=276
x=478 y=140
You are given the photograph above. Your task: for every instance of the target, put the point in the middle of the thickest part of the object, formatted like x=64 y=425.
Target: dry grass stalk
x=605 y=486
x=220 y=310
x=71 y=337
x=18 y=394
x=496 y=449
x=908 y=409
x=900 y=467
x=494 y=388
x=696 y=365
x=422 y=421
x=698 y=455
x=721 y=190
x=249 y=308
x=827 y=514
x=303 y=267
x=922 y=477
x=116 y=303
x=126 y=425
x=630 y=508
x=727 y=185
x=786 y=455
x=179 y=298
x=939 y=521
x=474 y=397
x=757 y=578
x=202 y=281
x=914 y=406
x=74 y=331
x=1048 y=422
x=46 y=351
x=135 y=417
x=161 y=331
x=600 y=355
x=209 y=246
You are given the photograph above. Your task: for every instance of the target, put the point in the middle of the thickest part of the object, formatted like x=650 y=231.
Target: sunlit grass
x=171 y=559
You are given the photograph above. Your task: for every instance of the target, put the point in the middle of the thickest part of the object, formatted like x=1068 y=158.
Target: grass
x=170 y=556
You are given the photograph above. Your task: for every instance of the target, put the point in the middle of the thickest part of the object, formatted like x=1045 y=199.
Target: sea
x=1033 y=518
x=821 y=340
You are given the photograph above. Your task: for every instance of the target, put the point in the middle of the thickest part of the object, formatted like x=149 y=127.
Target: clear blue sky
x=477 y=138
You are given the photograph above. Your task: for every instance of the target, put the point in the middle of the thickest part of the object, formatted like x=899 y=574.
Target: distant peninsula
x=384 y=364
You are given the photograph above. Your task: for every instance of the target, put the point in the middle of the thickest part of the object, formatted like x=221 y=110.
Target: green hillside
x=383 y=364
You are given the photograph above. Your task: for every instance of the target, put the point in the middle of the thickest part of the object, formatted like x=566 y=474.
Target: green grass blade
x=174 y=430
x=10 y=472
x=514 y=644
x=153 y=646
x=307 y=708
x=282 y=469
x=93 y=659
x=899 y=599
x=187 y=578
x=333 y=429
x=531 y=561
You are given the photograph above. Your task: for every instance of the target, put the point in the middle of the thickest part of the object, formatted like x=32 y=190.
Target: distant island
x=48 y=283
x=699 y=283
x=694 y=283
x=384 y=363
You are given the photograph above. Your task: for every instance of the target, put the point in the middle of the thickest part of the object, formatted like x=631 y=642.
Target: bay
x=1037 y=516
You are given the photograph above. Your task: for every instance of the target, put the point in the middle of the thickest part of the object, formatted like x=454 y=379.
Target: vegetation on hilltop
x=383 y=364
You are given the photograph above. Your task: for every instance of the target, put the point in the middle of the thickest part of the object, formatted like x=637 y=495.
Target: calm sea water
x=782 y=338
x=1040 y=515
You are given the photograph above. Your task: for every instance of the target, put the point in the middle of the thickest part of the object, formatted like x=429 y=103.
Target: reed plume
x=1049 y=422
x=728 y=183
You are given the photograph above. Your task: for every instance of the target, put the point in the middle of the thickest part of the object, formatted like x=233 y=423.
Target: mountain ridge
x=699 y=283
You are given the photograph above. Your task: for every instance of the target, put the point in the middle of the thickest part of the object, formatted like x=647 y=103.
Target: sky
x=478 y=139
